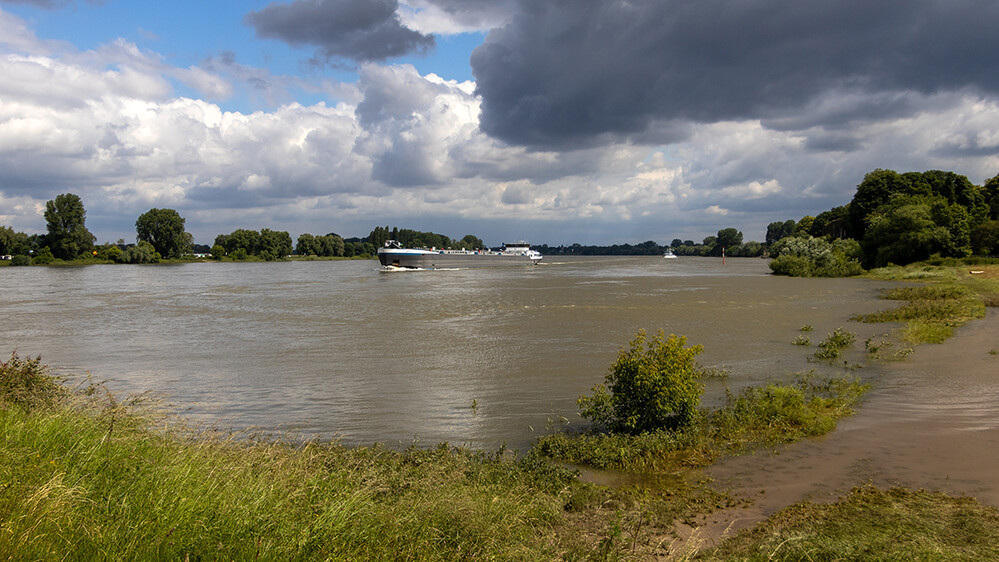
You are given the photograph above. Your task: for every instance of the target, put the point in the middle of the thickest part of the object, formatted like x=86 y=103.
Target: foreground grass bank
x=86 y=475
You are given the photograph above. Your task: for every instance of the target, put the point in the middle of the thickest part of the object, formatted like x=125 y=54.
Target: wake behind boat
x=393 y=254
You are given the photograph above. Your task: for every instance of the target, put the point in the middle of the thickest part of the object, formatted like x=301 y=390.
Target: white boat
x=669 y=254
x=393 y=254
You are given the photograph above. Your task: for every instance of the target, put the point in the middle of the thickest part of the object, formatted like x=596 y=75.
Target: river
x=476 y=357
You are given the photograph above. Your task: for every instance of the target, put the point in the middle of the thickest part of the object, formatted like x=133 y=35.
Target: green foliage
x=777 y=230
x=164 y=229
x=20 y=260
x=43 y=257
x=834 y=343
x=902 y=218
x=329 y=245
x=68 y=237
x=653 y=385
x=266 y=244
x=470 y=242
x=109 y=252
x=985 y=239
x=143 y=252
x=218 y=252
x=758 y=416
x=805 y=256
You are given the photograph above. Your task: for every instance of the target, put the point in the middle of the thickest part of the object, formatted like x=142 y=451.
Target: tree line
x=893 y=218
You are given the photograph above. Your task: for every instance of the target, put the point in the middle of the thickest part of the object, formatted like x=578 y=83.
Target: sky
x=552 y=121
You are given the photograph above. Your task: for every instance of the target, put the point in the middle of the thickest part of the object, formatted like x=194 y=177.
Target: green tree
x=470 y=242
x=729 y=237
x=306 y=245
x=379 y=236
x=143 y=252
x=332 y=245
x=43 y=256
x=904 y=234
x=8 y=240
x=653 y=385
x=248 y=240
x=68 y=237
x=777 y=230
x=831 y=223
x=164 y=229
x=804 y=226
x=218 y=252
x=274 y=244
x=990 y=194
x=985 y=238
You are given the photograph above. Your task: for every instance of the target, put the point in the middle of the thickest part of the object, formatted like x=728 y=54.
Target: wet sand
x=931 y=422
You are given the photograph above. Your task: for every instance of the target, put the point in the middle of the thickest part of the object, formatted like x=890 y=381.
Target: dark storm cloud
x=566 y=72
x=360 y=30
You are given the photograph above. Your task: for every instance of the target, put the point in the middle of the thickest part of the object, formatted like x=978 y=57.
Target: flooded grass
x=871 y=524
x=756 y=417
x=929 y=313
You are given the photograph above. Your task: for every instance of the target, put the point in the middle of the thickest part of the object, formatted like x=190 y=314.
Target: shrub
x=143 y=252
x=815 y=257
x=20 y=260
x=43 y=257
x=653 y=385
x=27 y=382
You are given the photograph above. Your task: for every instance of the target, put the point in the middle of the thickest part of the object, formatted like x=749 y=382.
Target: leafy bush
x=815 y=257
x=653 y=385
x=20 y=260
x=43 y=257
x=143 y=252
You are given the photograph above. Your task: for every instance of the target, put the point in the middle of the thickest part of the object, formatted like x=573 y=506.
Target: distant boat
x=394 y=255
x=669 y=254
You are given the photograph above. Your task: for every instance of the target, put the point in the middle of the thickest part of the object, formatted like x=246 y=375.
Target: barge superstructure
x=393 y=254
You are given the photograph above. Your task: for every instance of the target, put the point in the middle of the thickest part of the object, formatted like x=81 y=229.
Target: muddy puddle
x=931 y=422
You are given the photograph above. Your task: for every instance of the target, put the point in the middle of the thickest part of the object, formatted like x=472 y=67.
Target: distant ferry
x=669 y=254
x=394 y=255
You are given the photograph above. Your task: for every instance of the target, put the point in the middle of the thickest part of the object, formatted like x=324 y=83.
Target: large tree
x=164 y=229
x=68 y=237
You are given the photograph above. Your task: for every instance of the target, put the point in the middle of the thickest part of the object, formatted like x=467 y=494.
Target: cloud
x=359 y=30
x=455 y=16
x=410 y=149
x=583 y=71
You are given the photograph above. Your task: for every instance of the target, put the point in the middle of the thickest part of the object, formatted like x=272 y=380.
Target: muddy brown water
x=931 y=422
x=477 y=357
x=491 y=357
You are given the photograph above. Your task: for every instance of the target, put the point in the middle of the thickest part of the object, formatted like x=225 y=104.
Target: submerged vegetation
x=871 y=524
x=951 y=296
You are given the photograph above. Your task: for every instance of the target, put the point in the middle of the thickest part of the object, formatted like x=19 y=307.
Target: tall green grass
x=86 y=478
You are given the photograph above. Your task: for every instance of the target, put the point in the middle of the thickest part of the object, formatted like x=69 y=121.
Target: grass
x=872 y=524
x=930 y=313
x=757 y=417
